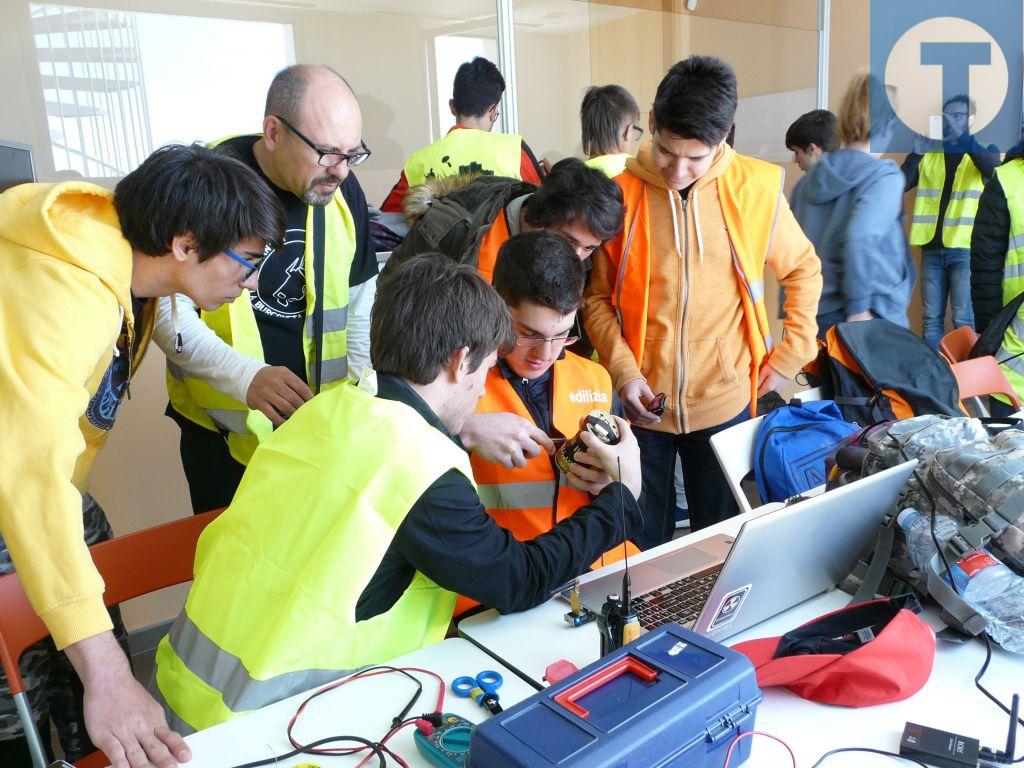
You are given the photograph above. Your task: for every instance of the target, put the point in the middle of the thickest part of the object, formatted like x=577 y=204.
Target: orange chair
x=983 y=376
x=958 y=343
x=131 y=565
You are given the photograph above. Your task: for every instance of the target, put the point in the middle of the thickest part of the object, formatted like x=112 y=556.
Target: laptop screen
x=15 y=165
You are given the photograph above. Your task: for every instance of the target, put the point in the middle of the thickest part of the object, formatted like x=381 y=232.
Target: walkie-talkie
x=617 y=622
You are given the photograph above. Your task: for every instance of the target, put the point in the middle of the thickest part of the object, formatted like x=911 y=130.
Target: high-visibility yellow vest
x=610 y=165
x=235 y=323
x=278 y=575
x=1011 y=178
x=958 y=223
x=467 y=150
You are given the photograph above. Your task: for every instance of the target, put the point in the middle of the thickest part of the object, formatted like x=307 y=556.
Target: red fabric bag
x=864 y=654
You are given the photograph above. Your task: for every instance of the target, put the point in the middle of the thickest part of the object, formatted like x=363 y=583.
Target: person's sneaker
x=682 y=517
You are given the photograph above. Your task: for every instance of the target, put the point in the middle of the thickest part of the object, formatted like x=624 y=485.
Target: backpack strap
x=872 y=579
x=952 y=604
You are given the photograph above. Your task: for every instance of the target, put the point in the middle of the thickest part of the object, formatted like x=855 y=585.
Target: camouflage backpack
x=963 y=472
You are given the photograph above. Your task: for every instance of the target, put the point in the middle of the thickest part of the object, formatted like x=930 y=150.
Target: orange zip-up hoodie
x=696 y=349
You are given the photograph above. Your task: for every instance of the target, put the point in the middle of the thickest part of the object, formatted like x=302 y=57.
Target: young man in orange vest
x=675 y=304
x=540 y=380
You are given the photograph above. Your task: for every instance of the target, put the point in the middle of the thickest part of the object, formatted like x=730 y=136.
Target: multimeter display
x=448 y=745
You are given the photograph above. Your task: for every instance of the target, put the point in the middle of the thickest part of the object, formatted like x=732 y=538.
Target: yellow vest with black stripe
x=610 y=165
x=278 y=575
x=236 y=324
x=467 y=150
x=1011 y=179
x=958 y=223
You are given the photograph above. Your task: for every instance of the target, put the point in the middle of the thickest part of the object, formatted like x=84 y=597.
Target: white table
x=361 y=708
x=527 y=642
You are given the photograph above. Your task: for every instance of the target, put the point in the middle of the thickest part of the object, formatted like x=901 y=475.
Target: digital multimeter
x=448 y=745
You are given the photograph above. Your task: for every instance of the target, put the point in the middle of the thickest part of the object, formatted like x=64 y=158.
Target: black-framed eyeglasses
x=250 y=267
x=633 y=132
x=532 y=342
x=331 y=159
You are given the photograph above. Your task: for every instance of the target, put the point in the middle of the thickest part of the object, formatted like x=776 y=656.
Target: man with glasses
x=82 y=269
x=471 y=146
x=542 y=382
x=579 y=203
x=949 y=175
x=243 y=370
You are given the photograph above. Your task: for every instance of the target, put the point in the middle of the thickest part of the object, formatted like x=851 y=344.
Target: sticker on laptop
x=729 y=608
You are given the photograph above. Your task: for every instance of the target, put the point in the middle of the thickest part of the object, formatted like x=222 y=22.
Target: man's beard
x=319 y=199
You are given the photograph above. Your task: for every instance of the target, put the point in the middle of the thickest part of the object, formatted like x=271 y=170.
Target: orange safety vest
x=489 y=246
x=527 y=501
x=750 y=193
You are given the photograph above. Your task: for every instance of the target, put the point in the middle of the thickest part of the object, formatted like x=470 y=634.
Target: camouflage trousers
x=54 y=690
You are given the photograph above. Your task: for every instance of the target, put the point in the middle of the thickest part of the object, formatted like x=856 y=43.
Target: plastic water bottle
x=918 y=529
x=985 y=583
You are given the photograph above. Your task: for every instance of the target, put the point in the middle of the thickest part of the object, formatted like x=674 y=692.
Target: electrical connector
x=424 y=726
x=434 y=718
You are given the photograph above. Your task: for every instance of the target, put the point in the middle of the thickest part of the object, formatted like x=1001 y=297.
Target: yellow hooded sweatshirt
x=696 y=349
x=65 y=298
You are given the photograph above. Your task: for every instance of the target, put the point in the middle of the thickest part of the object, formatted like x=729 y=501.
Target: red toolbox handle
x=581 y=688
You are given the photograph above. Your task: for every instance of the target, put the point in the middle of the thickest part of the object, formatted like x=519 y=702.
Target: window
x=450 y=52
x=118 y=84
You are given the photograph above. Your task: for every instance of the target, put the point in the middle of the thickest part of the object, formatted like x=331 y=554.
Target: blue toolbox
x=670 y=699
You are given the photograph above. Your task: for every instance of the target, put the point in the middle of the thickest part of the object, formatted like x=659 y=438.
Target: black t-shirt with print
x=279 y=301
x=106 y=401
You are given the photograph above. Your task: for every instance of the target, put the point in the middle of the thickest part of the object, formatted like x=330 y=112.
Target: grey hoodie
x=850 y=205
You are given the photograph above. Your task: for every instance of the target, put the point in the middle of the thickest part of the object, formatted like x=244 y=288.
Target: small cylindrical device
x=599 y=424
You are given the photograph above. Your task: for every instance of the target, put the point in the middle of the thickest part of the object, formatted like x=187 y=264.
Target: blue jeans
x=708 y=495
x=945 y=275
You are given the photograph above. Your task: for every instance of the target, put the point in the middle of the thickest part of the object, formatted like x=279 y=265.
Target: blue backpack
x=792 y=445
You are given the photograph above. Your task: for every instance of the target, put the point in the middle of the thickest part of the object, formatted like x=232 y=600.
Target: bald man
x=236 y=373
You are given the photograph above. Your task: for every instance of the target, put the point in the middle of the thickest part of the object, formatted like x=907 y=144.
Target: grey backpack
x=963 y=472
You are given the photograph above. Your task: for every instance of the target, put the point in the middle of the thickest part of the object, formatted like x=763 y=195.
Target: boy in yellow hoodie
x=675 y=305
x=80 y=270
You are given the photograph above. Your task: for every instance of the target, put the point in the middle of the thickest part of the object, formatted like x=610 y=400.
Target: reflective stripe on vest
x=1011 y=179
x=750 y=192
x=272 y=609
x=958 y=222
x=467 y=150
x=610 y=165
x=235 y=323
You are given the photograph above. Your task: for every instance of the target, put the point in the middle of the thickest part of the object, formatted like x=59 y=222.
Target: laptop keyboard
x=681 y=601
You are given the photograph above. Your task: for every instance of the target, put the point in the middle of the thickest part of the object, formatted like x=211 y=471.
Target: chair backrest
x=808 y=395
x=983 y=376
x=734 y=448
x=958 y=343
x=131 y=565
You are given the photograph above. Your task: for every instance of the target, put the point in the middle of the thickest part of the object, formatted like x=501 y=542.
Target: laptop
x=723 y=585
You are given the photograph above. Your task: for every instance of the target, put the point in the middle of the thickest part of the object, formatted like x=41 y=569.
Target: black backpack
x=452 y=215
x=991 y=338
x=876 y=371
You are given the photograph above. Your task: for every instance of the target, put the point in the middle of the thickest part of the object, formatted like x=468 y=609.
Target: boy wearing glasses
x=471 y=145
x=243 y=370
x=82 y=269
x=542 y=382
